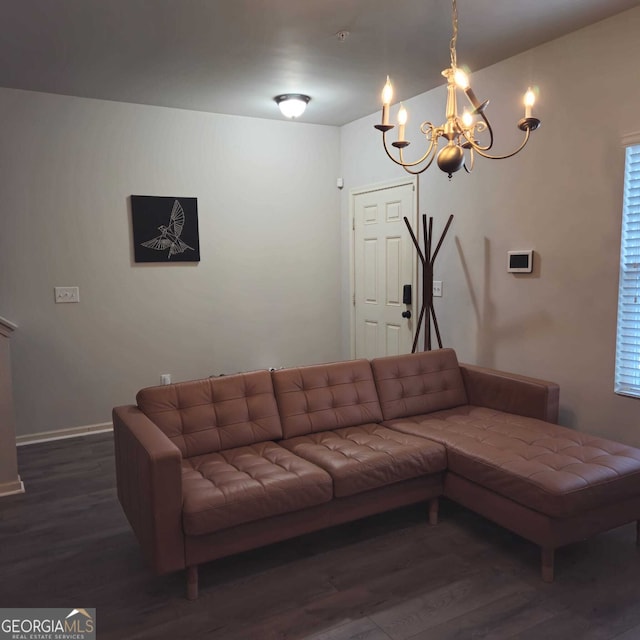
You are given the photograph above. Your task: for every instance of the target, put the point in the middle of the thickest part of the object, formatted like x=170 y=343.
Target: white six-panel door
x=384 y=261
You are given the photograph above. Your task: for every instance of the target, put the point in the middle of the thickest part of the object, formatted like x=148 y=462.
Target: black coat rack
x=427 y=312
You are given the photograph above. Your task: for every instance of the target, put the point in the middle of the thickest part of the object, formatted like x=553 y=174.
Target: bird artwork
x=169 y=237
x=165 y=229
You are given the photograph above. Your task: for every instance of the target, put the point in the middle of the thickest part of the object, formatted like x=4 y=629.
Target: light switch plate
x=67 y=294
x=437 y=289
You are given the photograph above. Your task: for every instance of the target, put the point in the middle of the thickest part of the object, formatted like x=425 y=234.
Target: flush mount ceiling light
x=459 y=132
x=292 y=105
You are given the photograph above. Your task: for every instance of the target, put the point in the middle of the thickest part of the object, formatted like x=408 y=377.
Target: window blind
x=627 y=374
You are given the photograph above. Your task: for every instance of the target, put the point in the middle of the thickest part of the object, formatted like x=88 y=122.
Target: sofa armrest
x=511 y=393
x=149 y=479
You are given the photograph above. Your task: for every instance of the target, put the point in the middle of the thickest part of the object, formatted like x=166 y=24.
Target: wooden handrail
x=7 y=327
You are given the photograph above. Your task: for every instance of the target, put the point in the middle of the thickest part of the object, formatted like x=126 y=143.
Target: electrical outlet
x=67 y=294
x=165 y=378
x=437 y=288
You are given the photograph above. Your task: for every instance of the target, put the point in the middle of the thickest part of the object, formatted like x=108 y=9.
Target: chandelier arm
x=478 y=147
x=419 y=171
x=401 y=161
x=469 y=168
x=428 y=152
x=386 y=148
x=508 y=155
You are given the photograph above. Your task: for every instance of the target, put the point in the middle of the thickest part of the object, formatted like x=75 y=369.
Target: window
x=627 y=377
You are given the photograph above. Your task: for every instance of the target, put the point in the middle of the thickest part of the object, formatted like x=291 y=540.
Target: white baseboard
x=12 y=488
x=62 y=434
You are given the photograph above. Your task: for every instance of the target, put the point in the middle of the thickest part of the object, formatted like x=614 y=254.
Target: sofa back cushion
x=418 y=383
x=326 y=396
x=204 y=416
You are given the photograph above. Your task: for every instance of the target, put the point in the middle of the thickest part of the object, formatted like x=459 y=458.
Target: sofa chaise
x=213 y=467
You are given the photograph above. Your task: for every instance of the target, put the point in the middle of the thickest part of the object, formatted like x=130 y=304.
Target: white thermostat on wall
x=520 y=261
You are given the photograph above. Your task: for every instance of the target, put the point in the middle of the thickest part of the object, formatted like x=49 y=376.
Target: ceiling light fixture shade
x=460 y=133
x=292 y=105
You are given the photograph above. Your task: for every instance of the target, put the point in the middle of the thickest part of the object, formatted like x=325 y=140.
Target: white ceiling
x=234 y=56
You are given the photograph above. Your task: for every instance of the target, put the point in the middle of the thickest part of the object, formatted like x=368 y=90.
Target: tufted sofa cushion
x=554 y=470
x=326 y=396
x=214 y=414
x=368 y=456
x=248 y=483
x=418 y=383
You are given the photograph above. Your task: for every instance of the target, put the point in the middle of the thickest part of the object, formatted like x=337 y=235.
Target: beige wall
x=562 y=197
x=266 y=292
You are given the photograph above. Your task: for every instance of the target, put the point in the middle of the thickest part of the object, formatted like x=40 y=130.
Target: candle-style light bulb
x=529 y=101
x=402 y=115
x=462 y=79
x=387 y=92
x=467 y=119
x=387 y=96
x=402 y=121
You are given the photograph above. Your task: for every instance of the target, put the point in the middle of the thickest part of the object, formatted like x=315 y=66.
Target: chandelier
x=460 y=133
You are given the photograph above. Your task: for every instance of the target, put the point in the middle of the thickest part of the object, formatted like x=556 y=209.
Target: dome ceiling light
x=292 y=105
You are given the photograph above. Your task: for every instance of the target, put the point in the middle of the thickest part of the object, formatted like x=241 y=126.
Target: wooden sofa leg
x=192 y=582
x=433 y=511
x=547 y=565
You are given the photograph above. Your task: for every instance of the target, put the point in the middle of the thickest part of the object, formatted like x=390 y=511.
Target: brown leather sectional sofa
x=213 y=467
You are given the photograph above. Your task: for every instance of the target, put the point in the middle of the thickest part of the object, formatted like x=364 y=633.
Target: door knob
x=406 y=314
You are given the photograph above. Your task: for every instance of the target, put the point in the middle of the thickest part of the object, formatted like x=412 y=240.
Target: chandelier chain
x=454 y=37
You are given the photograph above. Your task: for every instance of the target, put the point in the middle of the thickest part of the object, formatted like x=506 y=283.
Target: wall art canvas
x=165 y=229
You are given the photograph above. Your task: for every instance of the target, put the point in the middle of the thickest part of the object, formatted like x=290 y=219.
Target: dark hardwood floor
x=66 y=543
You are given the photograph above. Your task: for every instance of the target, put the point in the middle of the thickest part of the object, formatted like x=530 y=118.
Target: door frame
x=356 y=191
